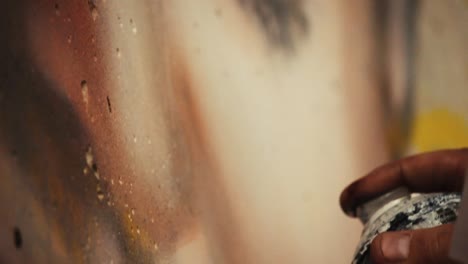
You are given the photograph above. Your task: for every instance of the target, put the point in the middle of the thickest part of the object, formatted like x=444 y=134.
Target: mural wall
x=214 y=131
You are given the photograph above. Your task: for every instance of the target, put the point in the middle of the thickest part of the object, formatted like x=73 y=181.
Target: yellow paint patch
x=438 y=129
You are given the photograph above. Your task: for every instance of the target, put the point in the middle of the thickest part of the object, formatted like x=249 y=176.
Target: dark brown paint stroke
x=44 y=131
x=398 y=120
x=48 y=134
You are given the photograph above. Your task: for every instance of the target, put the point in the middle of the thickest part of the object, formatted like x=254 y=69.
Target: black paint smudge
x=282 y=21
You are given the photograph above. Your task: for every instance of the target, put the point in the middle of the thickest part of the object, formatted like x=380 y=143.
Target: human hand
x=440 y=171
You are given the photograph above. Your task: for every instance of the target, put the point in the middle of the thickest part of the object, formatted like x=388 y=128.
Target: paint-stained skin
x=283 y=22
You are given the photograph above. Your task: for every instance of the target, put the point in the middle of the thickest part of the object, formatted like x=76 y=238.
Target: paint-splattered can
x=400 y=210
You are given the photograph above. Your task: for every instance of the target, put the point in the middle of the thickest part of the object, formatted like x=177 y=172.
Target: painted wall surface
x=441 y=116
x=211 y=131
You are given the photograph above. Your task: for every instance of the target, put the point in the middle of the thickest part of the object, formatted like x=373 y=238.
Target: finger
x=430 y=172
x=430 y=246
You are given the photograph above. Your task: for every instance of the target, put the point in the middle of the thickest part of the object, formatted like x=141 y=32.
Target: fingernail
x=395 y=247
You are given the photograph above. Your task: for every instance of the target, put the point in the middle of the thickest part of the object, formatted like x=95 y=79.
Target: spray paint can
x=402 y=210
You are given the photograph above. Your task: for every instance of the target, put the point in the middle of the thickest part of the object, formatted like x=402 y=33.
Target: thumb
x=430 y=246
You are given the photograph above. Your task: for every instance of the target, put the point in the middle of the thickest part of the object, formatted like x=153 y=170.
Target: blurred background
x=213 y=131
